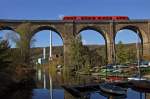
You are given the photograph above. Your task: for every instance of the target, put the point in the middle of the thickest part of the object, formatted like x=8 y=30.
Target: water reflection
x=60 y=93
x=19 y=94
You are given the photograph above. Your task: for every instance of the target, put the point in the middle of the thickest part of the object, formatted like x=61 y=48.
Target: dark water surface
x=59 y=93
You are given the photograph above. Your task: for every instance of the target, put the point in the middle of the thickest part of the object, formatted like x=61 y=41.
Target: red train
x=95 y=18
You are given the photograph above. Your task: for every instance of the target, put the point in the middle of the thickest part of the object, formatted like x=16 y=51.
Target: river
x=58 y=92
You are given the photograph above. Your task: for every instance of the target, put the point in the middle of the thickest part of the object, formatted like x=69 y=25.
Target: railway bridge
x=68 y=30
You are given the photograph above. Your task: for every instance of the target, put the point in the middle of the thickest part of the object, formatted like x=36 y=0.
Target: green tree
x=76 y=53
x=121 y=55
x=131 y=55
x=5 y=55
x=25 y=30
x=101 y=54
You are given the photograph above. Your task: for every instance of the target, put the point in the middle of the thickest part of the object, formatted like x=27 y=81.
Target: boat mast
x=50 y=48
x=44 y=53
x=43 y=61
x=50 y=58
x=114 y=52
x=138 y=53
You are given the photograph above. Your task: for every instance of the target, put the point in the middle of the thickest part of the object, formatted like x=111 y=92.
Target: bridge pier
x=67 y=38
x=24 y=44
x=68 y=30
x=146 y=51
x=67 y=57
x=110 y=54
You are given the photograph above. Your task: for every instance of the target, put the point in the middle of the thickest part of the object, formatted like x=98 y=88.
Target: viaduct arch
x=68 y=30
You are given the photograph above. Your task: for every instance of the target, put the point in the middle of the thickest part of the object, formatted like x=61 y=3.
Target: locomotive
x=95 y=18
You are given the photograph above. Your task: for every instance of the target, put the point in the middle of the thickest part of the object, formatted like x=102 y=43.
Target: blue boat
x=112 y=89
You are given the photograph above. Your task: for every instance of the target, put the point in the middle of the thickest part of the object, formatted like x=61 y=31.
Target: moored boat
x=73 y=91
x=111 y=96
x=81 y=91
x=141 y=84
x=135 y=78
x=112 y=89
x=115 y=79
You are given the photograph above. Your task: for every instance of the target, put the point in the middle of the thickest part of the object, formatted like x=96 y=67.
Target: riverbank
x=16 y=86
x=147 y=76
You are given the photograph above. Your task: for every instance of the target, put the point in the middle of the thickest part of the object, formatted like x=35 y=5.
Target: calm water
x=59 y=93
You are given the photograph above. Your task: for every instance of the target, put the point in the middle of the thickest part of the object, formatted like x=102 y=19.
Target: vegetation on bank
x=125 y=55
x=15 y=74
x=84 y=60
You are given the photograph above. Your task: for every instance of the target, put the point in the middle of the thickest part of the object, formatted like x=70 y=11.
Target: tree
x=77 y=53
x=101 y=54
x=5 y=57
x=25 y=30
x=122 y=55
x=131 y=52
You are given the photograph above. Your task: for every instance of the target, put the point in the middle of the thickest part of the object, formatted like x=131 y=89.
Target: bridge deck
x=70 y=21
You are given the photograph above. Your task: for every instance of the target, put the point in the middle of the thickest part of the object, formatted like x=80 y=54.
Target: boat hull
x=112 y=89
x=141 y=84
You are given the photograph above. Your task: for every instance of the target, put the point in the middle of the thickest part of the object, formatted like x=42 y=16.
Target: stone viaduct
x=68 y=30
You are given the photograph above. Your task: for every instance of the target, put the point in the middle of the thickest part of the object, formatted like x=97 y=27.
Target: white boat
x=136 y=78
x=138 y=81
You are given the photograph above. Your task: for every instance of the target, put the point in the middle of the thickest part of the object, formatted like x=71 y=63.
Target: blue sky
x=52 y=9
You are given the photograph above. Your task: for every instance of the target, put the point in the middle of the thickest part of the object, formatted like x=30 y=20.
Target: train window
x=78 y=18
x=89 y=18
x=104 y=18
x=83 y=18
x=121 y=18
x=73 y=18
x=69 y=18
x=86 y=18
x=108 y=18
x=93 y=18
x=113 y=18
x=99 y=18
x=118 y=18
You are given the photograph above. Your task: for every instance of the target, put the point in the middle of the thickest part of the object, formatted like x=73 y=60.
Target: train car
x=95 y=18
